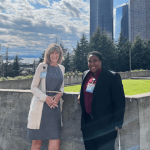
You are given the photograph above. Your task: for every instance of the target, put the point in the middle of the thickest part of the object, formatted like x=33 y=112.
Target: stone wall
x=14 y=107
x=16 y=84
x=126 y=75
x=26 y=83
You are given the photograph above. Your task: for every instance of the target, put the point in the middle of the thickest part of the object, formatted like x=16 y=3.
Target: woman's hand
x=57 y=97
x=50 y=102
x=79 y=99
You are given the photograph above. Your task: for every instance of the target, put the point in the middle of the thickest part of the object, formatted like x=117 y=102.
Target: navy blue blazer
x=108 y=102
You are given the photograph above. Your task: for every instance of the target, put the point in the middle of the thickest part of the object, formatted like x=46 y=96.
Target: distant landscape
x=24 y=59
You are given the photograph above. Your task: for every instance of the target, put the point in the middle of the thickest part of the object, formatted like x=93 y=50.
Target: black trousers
x=96 y=139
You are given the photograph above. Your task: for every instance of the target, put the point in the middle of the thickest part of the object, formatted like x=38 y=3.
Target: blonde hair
x=50 y=50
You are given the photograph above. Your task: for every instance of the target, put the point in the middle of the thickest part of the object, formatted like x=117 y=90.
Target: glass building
x=101 y=14
x=139 y=19
x=118 y=23
x=121 y=21
x=125 y=22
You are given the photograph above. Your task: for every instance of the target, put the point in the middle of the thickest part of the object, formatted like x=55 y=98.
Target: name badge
x=43 y=74
x=90 y=88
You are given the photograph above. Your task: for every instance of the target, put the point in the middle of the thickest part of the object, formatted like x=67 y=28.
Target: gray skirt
x=50 y=125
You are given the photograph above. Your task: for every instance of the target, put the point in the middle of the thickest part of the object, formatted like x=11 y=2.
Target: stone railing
x=14 y=107
x=26 y=83
x=126 y=75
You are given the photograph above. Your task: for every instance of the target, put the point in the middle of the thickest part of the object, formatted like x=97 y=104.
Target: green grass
x=131 y=87
x=74 y=88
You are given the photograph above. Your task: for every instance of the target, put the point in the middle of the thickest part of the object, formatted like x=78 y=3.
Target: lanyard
x=93 y=80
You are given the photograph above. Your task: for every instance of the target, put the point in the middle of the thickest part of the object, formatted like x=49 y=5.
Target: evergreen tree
x=41 y=59
x=80 y=57
x=16 y=67
x=146 y=56
x=66 y=62
x=7 y=67
x=1 y=70
x=63 y=48
x=34 y=66
x=102 y=43
x=122 y=51
x=137 y=53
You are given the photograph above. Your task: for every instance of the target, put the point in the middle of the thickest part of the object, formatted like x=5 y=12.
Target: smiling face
x=94 y=63
x=54 y=56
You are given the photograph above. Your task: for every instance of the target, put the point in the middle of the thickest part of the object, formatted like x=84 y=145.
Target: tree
x=66 y=62
x=122 y=50
x=80 y=57
x=34 y=66
x=41 y=59
x=1 y=70
x=146 y=56
x=16 y=67
x=7 y=67
x=102 y=43
x=137 y=53
x=63 y=48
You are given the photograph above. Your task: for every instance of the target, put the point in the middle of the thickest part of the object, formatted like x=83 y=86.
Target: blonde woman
x=44 y=120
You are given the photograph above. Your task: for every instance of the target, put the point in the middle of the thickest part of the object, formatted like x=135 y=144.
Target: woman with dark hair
x=44 y=120
x=103 y=104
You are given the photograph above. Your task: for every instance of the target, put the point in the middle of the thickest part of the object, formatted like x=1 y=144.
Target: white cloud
x=44 y=2
x=122 y=5
x=32 y=1
x=24 y=26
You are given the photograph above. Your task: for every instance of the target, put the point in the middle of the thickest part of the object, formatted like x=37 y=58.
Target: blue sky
x=29 y=26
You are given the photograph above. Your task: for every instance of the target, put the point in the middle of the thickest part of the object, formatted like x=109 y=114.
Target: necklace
x=54 y=70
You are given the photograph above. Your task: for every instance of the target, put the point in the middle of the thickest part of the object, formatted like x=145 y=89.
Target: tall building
x=101 y=14
x=139 y=19
x=121 y=21
x=118 y=22
x=125 y=22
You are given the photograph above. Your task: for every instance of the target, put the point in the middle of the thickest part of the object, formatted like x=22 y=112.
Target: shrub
x=3 y=79
x=19 y=77
x=29 y=76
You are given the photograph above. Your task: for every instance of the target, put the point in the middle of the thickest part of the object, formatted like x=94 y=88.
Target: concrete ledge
x=143 y=95
x=26 y=83
x=15 y=90
x=14 y=107
x=148 y=78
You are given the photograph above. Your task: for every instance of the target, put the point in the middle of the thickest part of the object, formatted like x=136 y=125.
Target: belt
x=54 y=91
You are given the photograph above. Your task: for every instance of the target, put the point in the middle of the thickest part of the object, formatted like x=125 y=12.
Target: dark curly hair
x=95 y=53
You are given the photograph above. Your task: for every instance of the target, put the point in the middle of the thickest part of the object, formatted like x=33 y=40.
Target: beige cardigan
x=38 y=88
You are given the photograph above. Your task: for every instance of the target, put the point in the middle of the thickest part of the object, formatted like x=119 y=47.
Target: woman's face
x=54 y=56
x=94 y=63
